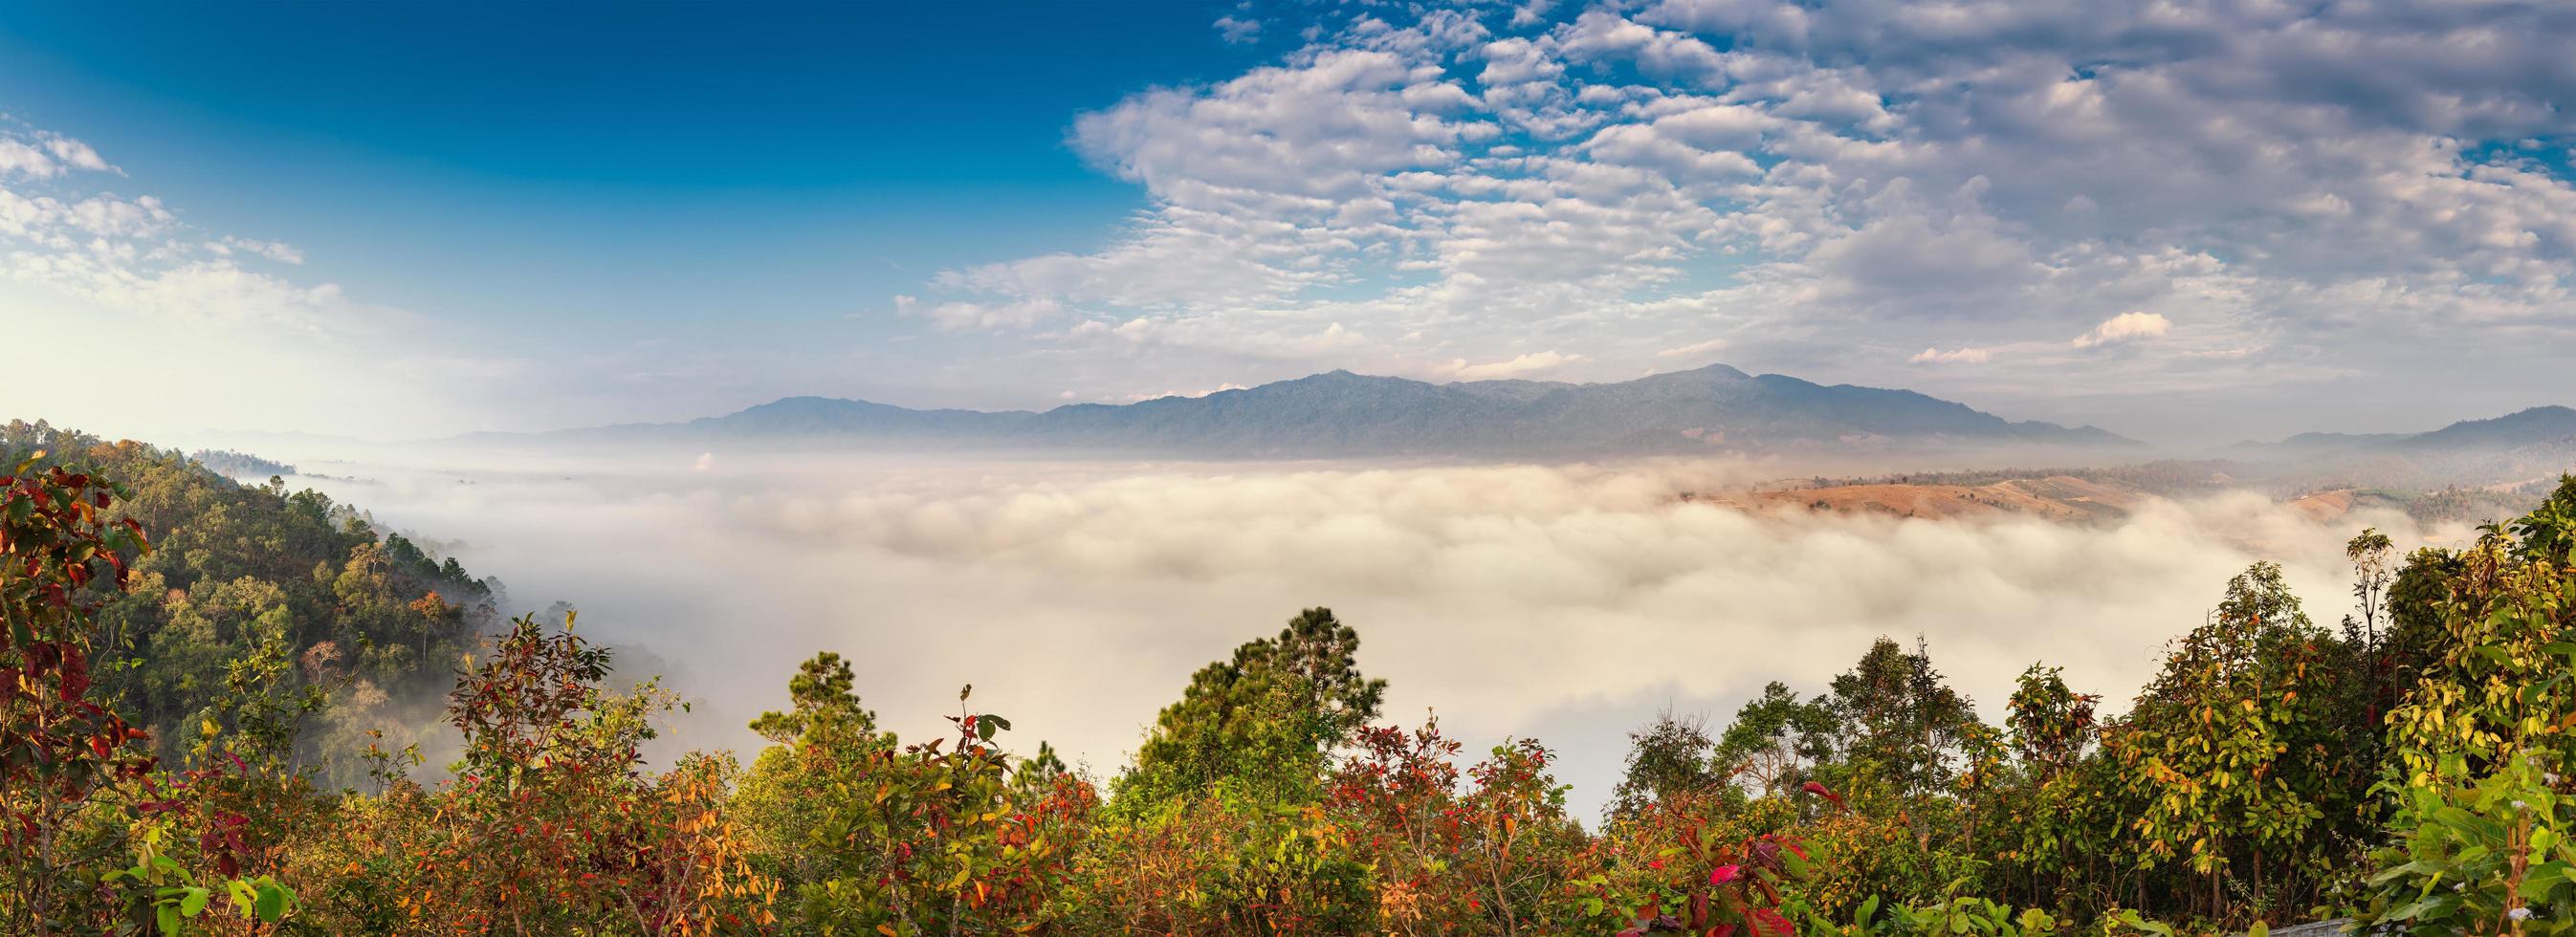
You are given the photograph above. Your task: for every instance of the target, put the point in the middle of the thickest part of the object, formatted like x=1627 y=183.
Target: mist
x=1568 y=603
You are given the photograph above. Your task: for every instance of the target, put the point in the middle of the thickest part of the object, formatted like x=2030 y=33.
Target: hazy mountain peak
x=1339 y=412
x=2521 y=427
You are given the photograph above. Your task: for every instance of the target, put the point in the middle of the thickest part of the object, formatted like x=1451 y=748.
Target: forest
x=216 y=697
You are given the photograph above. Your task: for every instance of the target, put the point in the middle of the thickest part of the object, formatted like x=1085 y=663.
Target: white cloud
x=1515 y=367
x=45 y=155
x=176 y=301
x=1531 y=13
x=19 y=158
x=273 y=250
x=1694 y=349
x=1953 y=356
x=2125 y=327
x=954 y=317
x=1238 y=30
x=76 y=154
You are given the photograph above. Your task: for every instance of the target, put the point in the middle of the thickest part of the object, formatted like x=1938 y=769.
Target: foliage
x=1263 y=722
x=1968 y=914
x=1668 y=759
x=372 y=619
x=948 y=836
x=62 y=750
x=1776 y=741
x=1900 y=718
x=2408 y=768
x=2482 y=746
x=2230 y=752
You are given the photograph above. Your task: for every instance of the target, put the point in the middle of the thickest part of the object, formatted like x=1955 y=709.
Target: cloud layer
x=1570 y=603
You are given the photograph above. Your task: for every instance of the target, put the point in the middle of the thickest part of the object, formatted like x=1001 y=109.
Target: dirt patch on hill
x=2324 y=505
x=2057 y=497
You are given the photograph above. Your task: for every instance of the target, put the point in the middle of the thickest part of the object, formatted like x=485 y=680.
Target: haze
x=1570 y=603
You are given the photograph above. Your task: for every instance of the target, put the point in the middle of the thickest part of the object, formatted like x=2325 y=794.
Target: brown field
x=2056 y=497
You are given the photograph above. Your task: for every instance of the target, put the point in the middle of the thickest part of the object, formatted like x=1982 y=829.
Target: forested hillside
x=256 y=572
x=2408 y=765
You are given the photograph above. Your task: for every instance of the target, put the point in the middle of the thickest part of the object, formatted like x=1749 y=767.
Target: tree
x=1776 y=740
x=821 y=704
x=2483 y=747
x=875 y=836
x=2052 y=726
x=1266 y=718
x=2548 y=533
x=1900 y=719
x=2231 y=750
x=1669 y=758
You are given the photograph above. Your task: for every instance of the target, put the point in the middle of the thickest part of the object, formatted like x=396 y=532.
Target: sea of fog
x=1568 y=603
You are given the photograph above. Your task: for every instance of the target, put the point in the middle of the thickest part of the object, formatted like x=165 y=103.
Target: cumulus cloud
x=127 y=253
x=953 y=317
x=273 y=250
x=41 y=154
x=18 y=158
x=1531 y=13
x=1238 y=30
x=76 y=154
x=2125 y=327
x=1953 y=356
x=1569 y=602
x=1518 y=365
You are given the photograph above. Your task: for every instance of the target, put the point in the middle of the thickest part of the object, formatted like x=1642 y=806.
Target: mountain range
x=1339 y=413
x=2549 y=426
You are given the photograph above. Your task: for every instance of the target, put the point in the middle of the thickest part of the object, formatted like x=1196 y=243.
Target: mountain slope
x=2548 y=427
x=2512 y=430
x=1341 y=413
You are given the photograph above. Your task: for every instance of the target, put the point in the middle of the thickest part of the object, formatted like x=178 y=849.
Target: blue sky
x=559 y=167
x=407 y=219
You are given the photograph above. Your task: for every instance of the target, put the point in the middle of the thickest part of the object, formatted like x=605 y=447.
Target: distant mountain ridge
x=2519 y=428
x=1341 y=413
x=2547 y=427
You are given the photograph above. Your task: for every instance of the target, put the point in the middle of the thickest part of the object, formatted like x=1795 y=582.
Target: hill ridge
x=1341 y=412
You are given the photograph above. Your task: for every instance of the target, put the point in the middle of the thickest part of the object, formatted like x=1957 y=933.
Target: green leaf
x=195 y=903
x=274 y=900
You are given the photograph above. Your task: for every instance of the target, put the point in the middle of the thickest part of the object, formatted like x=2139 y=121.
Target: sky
x=2184 y=221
